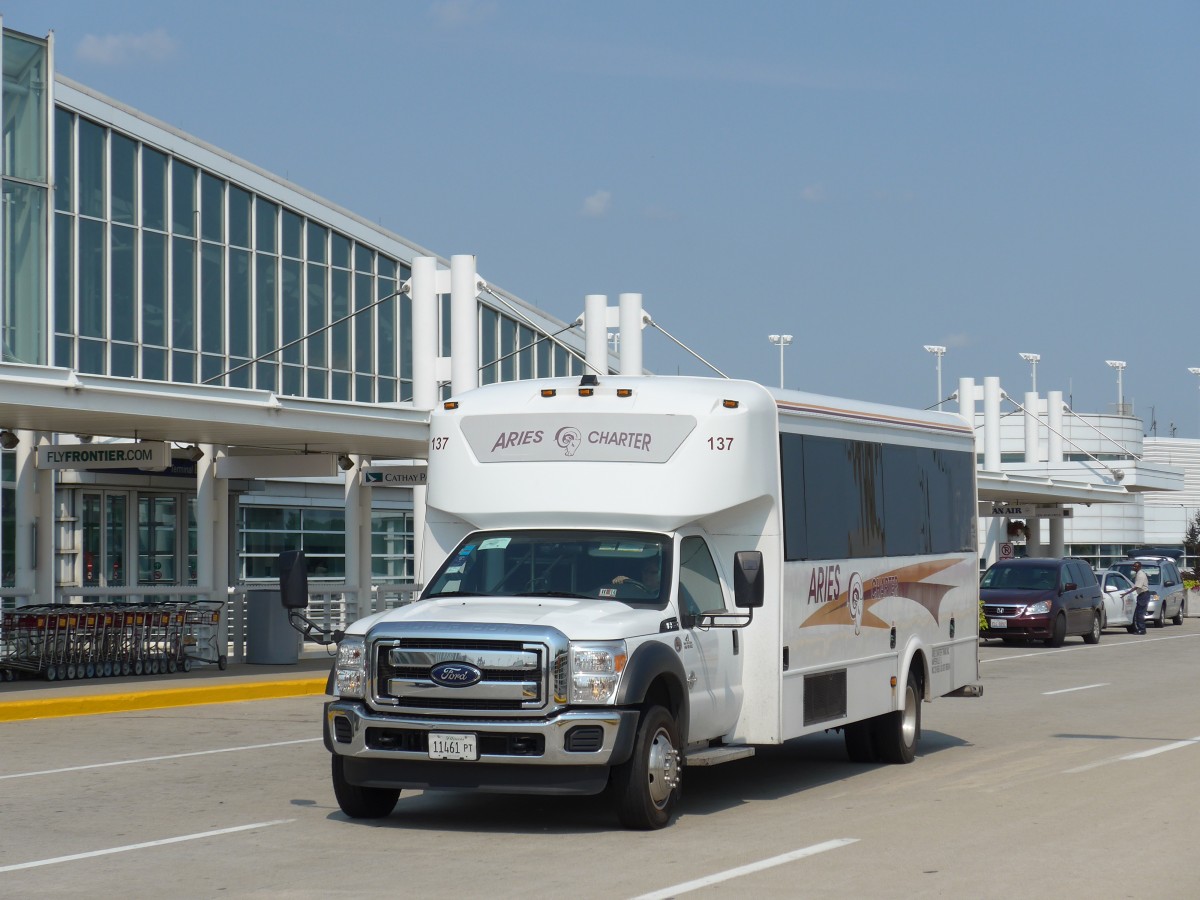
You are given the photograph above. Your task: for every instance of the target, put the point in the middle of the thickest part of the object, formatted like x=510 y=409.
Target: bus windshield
x=627 y=566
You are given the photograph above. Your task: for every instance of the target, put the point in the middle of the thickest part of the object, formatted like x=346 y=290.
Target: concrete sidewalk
x=39 y=699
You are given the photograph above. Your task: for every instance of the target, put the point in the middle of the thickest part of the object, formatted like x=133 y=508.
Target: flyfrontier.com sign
x=143 y=455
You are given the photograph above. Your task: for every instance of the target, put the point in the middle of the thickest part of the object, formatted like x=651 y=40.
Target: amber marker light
x=549 y=392
x=586 y=392
x=450 y=404
x=729 y=404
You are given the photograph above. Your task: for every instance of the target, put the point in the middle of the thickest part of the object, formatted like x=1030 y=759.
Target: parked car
x=1168 y=596
x=1119 y=599
x=1043 y=599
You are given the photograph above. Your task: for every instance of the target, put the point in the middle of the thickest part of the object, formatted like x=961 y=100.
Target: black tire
x=646 y=787
x=1160 y=620
x=895 y=734
x=1093 y=636
x=361 y=802
x=1132 y=629
x=1177 y=619
x=860 y=744
x=1059 y=634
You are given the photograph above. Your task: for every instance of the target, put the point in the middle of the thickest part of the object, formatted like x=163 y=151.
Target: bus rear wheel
x=895 y=734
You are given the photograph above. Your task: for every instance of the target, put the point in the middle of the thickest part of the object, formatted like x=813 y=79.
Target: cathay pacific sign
x=141 y=455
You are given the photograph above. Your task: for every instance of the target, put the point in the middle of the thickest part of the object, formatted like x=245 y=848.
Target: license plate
x=452 y=746
x=997 y=623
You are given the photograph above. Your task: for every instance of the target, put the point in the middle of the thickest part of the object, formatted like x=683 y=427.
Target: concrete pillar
x=994 y=536
x=464 y=324
x=595 y=333
x=1033 y=537
x=631 y=333
x=220 y=539
x=358 y=541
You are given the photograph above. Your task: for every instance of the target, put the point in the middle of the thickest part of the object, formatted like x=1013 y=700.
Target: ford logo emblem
x=455 y=674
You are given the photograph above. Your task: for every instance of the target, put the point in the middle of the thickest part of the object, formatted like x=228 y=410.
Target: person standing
x=1141 y=584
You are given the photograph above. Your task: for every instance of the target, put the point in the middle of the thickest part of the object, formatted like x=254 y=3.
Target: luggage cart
x=202 y=635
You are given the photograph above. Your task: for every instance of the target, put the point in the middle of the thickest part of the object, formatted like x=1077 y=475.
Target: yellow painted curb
x=97 y=704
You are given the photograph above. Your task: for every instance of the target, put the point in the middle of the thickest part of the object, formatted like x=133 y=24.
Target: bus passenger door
x=711 y=656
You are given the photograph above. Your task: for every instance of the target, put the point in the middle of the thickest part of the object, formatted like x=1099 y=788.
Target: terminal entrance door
x=105 y=517
x=158 y=539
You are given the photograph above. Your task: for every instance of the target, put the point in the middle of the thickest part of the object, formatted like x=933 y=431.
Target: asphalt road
x=1076 y=774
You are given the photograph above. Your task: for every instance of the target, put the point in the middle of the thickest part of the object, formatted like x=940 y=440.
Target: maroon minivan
x=1044 y=599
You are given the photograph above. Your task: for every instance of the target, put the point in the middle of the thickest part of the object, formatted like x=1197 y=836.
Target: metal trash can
x=270 y=639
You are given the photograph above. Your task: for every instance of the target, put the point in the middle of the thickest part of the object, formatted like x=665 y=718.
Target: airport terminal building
x=271 y=346
x=146 y=264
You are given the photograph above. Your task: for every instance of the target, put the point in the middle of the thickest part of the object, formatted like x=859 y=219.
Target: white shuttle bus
x=632 y=575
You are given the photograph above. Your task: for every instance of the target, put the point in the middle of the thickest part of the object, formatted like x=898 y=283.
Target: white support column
x=464 y=324
x=1032 y=448
x=424 y=332
x=358 y=543
x=220 y=539
x=365 y=593
x=44 y=556
x=966 y=399
x=595 y=333
x=1054 y=419
x=630 y=306
x=24 y=516
x=206 y=480
x=996 y=534
x=991 y=423
x=1057 y=547
x=1033 y=537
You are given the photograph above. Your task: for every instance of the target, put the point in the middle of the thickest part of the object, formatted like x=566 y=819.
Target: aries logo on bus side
x=569 y=439
x=455 y=674
x=854 y=600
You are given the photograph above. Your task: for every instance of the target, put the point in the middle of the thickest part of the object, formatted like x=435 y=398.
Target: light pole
x=781 y=341
x=939 y=352
x=1119 y=365
x=1195 y=370
x=1033 y=359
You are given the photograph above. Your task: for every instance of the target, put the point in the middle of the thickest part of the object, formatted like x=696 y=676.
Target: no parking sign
x=1006 y=550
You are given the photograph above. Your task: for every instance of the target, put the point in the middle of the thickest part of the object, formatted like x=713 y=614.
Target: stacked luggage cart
x=99 y=640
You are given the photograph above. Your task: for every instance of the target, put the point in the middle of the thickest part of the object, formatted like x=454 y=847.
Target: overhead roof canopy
x=39 y=398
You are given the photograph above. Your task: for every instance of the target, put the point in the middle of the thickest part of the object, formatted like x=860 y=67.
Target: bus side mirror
x=293 y=579
x=748 y=579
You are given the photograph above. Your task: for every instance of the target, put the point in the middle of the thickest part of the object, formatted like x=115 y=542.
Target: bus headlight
x=596 y=669
x=350 y=672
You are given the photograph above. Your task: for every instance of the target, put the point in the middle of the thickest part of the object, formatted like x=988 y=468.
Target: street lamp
x=1033 y=359
x=1195 y=370
x=1119 y=365
x=939 y=352
x=781 y=341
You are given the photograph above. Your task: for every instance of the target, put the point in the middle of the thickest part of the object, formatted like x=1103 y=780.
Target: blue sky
x=994 y=177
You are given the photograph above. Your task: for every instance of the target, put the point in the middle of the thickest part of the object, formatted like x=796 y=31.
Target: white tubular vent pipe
x=595 y=333
x=991 y=423
x=424 y=336
x=630 y=306
x=464 y=324
x=1032 y=449
x=1054 y=441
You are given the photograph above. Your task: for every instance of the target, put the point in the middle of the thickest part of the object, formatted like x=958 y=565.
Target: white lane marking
x=1163 y=749
x=1141 y=754
x=141 y=846
x=1091 y=648
x=134 y=762
x=1086 y=687
x=717 y=878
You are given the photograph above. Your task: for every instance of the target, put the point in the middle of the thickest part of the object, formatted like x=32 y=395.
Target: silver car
x=1168 y=596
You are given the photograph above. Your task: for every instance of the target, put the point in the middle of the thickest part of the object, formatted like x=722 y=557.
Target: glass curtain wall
x=167 y=272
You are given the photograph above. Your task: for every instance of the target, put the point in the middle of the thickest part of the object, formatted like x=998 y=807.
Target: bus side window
x=699 y=586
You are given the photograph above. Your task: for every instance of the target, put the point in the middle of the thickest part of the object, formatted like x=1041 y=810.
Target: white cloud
x=122 y=49
x=597 y=205
x=457 y=13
